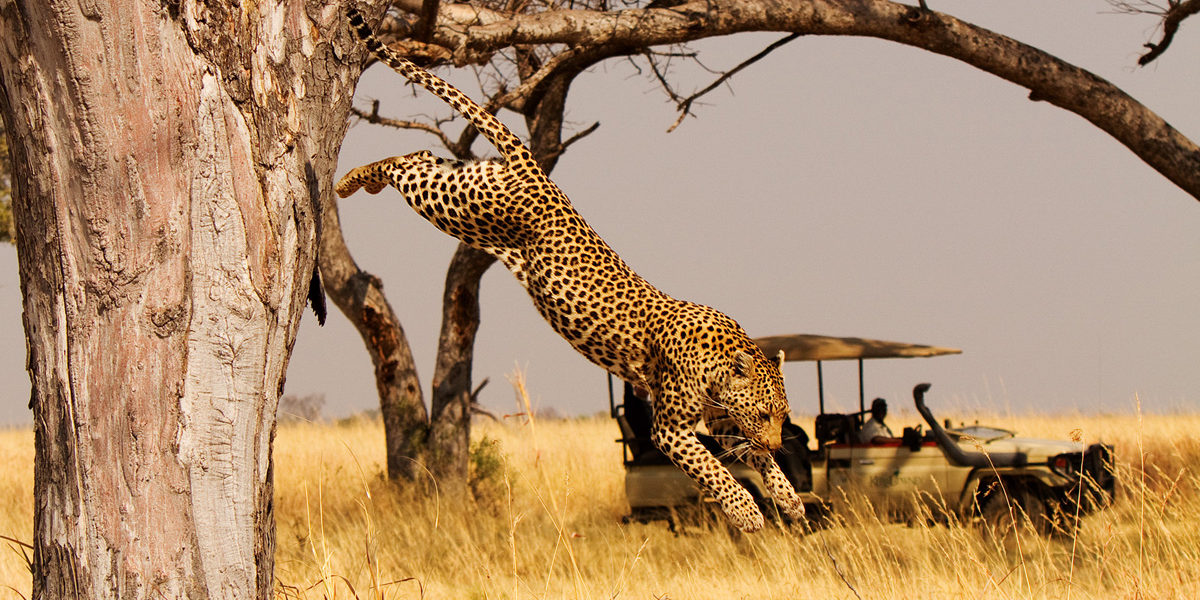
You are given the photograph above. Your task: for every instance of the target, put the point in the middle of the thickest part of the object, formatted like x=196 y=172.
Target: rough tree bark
x=450 y=425
x=168 y=162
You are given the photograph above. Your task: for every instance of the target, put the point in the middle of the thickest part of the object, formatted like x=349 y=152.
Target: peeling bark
x=166 y=174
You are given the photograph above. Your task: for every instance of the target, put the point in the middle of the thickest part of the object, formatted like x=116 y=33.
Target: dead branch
x=517 y=98
x=375 y=118
x=1174 y=15
x=571 y=140
x=478 y=388
x=479 y=410
x=685 y=106
x=1047 y=77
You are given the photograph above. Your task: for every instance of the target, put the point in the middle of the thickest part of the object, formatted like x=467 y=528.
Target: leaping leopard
x=697 y=362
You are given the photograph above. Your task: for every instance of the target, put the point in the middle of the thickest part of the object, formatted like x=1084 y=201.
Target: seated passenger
x=875 y=430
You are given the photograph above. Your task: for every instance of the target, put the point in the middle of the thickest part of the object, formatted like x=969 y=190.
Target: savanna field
x=543 y=520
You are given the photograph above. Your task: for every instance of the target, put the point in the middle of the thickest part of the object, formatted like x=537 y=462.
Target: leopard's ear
x=778 y=359
x=743 y=364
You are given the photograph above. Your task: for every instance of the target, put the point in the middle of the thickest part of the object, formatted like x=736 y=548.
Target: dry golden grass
x=16 y=510
x=546 y=523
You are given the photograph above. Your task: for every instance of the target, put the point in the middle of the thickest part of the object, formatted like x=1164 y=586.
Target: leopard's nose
x=774 y=440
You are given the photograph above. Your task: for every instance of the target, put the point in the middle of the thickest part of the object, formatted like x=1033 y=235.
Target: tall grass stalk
x=547 y=523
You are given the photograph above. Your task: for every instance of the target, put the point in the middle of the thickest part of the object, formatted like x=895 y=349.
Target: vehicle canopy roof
x=820 y=348
x=809 y=347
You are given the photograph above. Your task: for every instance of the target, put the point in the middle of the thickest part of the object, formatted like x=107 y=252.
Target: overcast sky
x=841 y=186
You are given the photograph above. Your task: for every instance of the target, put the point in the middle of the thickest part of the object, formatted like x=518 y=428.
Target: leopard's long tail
x=493 y=129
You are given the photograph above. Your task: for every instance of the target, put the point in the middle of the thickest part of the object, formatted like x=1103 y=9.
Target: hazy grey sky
x=843 y=186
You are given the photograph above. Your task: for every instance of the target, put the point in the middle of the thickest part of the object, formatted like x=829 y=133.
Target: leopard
x=698 y=364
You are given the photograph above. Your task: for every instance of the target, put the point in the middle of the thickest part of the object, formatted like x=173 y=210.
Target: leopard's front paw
x=791 y=504
x=742 y=511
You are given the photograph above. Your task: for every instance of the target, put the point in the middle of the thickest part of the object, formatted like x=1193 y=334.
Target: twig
x=479 y=388
x=15 y=541
x=1172 y=15
x=516 y=98
x=473 y=402
x=571 y=140
x=685 y=106
x=837 y=569
x=375 y=118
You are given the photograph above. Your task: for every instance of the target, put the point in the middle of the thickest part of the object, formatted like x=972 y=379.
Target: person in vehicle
x=875 y=430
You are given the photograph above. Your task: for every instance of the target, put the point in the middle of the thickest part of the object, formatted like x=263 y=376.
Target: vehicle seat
x=794 y=457
x=634 y=417
x=836 y=428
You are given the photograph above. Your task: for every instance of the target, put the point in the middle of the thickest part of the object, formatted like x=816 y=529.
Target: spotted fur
x=697 y=362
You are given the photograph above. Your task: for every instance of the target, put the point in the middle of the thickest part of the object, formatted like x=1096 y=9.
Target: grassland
x=543 y=520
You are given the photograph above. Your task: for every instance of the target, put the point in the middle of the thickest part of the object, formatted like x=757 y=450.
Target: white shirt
x=872 y=429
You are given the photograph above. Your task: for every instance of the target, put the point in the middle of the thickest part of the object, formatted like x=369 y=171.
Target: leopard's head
x=755 y=399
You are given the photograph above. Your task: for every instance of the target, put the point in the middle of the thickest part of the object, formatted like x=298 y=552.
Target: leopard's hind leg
x=480 y=203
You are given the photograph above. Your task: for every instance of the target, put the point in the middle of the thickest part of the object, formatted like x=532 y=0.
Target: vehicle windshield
x=984 y=433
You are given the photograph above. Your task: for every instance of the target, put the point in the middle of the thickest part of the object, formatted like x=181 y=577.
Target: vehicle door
x=893 y=476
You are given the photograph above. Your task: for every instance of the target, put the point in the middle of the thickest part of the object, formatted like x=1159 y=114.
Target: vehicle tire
x=1005 y=517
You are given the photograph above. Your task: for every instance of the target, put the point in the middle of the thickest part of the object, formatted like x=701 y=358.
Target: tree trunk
x=450 y=428
x=359 y=295
x=168 y=160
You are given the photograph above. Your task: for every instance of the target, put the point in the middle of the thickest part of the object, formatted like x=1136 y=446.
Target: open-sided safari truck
x=973 y=471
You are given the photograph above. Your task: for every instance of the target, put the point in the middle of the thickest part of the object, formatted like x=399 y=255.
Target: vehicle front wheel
x=1005 y=516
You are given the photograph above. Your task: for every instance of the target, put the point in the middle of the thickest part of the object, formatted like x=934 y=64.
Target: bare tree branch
x=375 y=118
x=574 y=138
x=1172 y=15
x=685 y=106
x=1047 y=77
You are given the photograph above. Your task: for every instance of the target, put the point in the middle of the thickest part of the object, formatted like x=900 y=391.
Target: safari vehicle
x=978 y=473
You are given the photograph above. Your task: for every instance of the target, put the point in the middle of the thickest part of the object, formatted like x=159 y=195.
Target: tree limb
x=571 y=140
x=429 y=13
x=1047 y=77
